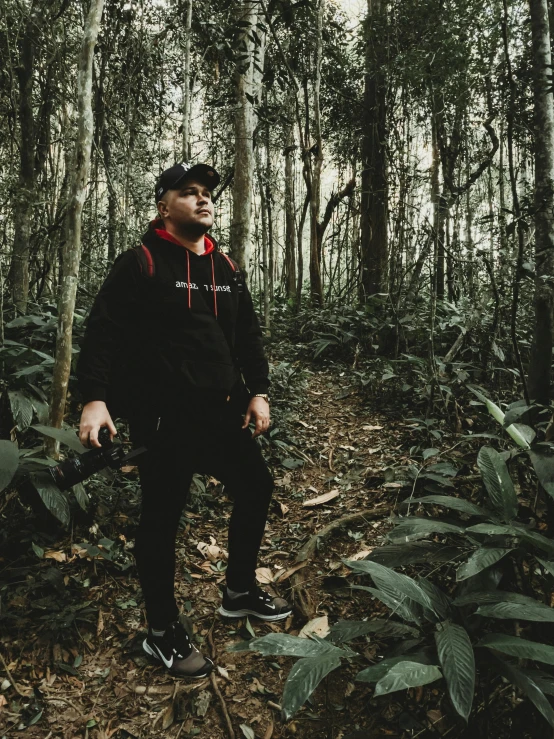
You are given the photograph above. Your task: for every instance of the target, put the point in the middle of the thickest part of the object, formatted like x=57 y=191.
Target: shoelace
x=181 y=640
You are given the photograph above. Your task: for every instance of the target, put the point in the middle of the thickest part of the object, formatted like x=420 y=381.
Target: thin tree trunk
x=374 y=204
x=541 y=348
x=290 y=228
x=186 y=85
x=246 y=13
x=316 y=284
x=72 y=249
x=18 y=275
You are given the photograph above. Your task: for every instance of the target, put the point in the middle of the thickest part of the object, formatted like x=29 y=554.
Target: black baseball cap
x=172 y=177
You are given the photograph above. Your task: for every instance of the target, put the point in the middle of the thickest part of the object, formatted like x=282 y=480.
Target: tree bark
x=18 y=275
x=541 y=348
x=72 y=247
x=244 y=131
x=186 y=85
x=374 y=203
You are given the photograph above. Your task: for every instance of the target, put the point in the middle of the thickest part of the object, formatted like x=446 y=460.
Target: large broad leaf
x=499 y=416
x=385 y=578
x=449 y=501
x=51 y=496
x=528 y=612
x=516 y=647
x=494 y=596
x=543 y=679
x=480 y=560
x=374 y=673
x=398 y=555
x=442 y=603
x=407 y=675
x=401 y=606
x=22 y=408
x=548 y=566
x=458 y=665
x=528 y=686
x=285 y=645
x=9 y=460
x=412 y=528
x=498 y=482
x=304 y=678
x=515 y=530
x=65 y=436
x=543 y=464
x=344 y=631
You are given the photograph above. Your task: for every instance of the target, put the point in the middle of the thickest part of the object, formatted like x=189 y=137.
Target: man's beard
x=193 y=230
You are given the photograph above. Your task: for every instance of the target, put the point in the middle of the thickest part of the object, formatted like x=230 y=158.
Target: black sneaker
x=255 y=603
x=177 y=653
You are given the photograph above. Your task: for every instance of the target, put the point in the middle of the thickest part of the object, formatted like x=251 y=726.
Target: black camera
x=75 y=470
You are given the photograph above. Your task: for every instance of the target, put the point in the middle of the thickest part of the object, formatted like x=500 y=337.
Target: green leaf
x=51 y=496
x=285 y=645
x=65 y=436
x=9 y=461
x=22 y=409
x=449 y=501
x=528 y=612
x=458 y=665
x=548 y=566
x=517 y=647
x=39 y=551
x=304 y=678
x=527 y=686
x=499 y=416
x=494 y=596
x=406 y=675
x=81 y=495
x=387 y=579
x=247 y=731
x=431 y=452
x=480 y=560
x=498 y=482
x=404 y=607
x=543 y=464
x=410 y=528
x=398 y=555
x=374 y=673
x=249 y=628
x=344 y=631
x=442 y=603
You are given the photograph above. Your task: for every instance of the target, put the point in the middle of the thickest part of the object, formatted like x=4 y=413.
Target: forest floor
x=73 y=625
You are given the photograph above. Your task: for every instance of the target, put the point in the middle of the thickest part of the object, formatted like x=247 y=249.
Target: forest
x=387 y=192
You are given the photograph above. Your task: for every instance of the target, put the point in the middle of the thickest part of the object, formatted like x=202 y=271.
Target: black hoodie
x=185 y=334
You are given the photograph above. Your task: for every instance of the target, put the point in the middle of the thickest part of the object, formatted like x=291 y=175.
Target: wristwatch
x=262 y=395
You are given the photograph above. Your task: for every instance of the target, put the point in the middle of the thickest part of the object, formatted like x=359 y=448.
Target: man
x=184 y=336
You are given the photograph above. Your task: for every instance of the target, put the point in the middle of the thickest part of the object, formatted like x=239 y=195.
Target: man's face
x=189 y=206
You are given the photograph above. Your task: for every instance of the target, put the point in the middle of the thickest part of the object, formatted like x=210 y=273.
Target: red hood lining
x=163 y=234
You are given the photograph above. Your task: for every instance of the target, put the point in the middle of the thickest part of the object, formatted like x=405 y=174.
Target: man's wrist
x=262 y=395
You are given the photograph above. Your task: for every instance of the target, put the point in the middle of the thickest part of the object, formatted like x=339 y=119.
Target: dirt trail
x=93 y=679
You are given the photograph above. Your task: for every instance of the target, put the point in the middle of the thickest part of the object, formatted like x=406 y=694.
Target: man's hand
x=257 y=411
x=94 y=415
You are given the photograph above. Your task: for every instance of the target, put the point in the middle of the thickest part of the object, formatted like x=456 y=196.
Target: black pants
x=188 y=441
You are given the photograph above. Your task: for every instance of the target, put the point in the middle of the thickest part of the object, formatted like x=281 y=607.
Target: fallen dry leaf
x=372 y=428
x=325 y=498
x=264 y=575
x=58 y=556
x=317 y=626
x=362 y=555
x=287 y=573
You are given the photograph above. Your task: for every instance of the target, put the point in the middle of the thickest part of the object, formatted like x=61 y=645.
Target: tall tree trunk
x=72 y=247
x=541 y=349
x=290 y=226
x=187 y=84
x=246 y=15
x=315 y=157
x=374 y=205
x=18 y=275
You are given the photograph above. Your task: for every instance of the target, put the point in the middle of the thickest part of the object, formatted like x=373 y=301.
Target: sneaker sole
x=151 y=653
x=247 y=612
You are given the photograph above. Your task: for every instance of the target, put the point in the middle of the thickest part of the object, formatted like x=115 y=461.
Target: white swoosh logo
x=167 y=662
x=270 y=605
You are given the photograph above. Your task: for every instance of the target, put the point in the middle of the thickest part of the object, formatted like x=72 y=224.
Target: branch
x=334 y=200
